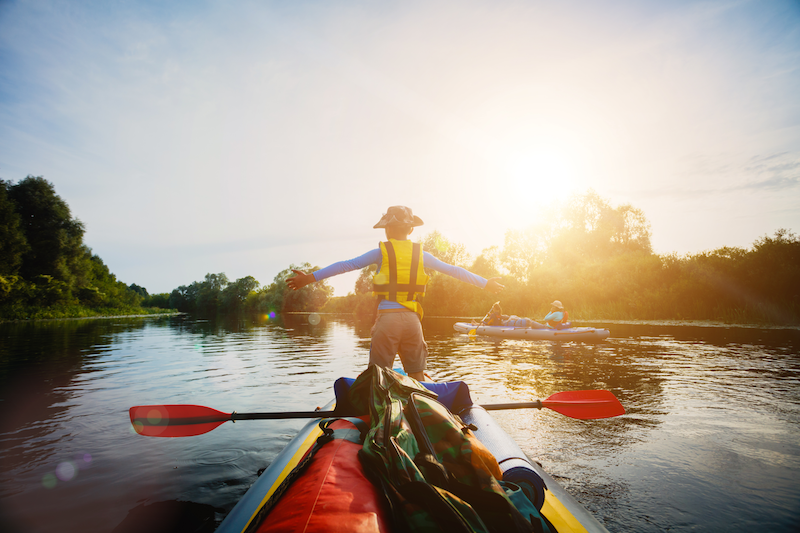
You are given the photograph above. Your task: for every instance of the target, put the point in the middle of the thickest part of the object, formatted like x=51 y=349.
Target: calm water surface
x=710 y=441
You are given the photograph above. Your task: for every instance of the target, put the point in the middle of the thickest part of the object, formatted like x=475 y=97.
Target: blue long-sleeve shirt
x=555 y=316
x=374 y=257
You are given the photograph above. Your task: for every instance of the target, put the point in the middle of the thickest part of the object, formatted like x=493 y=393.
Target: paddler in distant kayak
x=399 y=280
x=495 y=316
x=557 y=317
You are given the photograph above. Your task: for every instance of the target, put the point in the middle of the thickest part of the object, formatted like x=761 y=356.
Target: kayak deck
x=557 y=505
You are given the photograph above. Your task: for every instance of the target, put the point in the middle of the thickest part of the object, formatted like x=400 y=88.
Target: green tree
x=590 y=228
x=99 y=286
x=235 y=294
x=363 y=304
x=182 y=299
x=441 y=248
x=160 y=300
x=773 y=269
x=54 y=237
x=364 y=282
x=208 y=293
x=523 y=251
x=13 y=244
x=487 y=264
x=444 y=295
x=141 y=291
x=310 y=298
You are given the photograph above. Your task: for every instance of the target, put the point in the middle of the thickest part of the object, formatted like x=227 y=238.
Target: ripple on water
x=218 y=457
x=711 y=435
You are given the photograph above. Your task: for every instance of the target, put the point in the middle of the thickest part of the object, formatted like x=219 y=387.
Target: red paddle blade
x=175 y=420
x=585 y=404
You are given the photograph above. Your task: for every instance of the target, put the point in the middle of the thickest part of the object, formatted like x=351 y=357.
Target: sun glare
x=542 y=175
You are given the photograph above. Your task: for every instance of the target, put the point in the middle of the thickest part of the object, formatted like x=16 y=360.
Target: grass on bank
x=77 y=311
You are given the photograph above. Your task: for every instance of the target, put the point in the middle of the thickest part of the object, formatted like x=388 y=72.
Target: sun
x=544 y=174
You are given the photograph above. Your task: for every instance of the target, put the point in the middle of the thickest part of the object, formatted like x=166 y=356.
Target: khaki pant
x=398 y=333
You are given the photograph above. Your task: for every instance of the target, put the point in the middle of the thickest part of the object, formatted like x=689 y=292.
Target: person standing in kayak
x=398 y=281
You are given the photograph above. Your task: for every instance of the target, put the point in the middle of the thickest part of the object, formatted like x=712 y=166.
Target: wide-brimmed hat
x=398 y=215
x=557 y=304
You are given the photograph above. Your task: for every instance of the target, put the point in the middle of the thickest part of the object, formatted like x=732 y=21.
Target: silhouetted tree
x=441 y=248
x=13 y=244
x=310 y=298
x=141 y=291
x=235 y=294
x=54 y=237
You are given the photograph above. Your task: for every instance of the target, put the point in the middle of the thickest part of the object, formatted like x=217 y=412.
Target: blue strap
x=453 y=394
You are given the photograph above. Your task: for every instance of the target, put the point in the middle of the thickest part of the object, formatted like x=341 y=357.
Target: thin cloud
x=291 y=126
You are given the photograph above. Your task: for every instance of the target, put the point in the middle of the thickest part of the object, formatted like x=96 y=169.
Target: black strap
x=356 y=435
x=392 y=256
x=414 y=264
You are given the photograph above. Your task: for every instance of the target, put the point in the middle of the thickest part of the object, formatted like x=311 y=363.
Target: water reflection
x=712 y=414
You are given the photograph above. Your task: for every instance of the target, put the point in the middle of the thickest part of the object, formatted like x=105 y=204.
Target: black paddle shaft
x=519 y=405
x=333 y=414
x=286 y=414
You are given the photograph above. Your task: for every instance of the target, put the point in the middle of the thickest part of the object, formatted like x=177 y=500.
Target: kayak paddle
x=580 y=404
x=190 y=420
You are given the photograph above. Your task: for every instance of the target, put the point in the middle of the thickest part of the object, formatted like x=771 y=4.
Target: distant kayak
x=585 y=334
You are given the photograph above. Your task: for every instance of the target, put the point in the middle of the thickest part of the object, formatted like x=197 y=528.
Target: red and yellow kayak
x=333 y=494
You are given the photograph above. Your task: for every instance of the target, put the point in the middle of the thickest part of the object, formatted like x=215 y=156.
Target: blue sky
x=240 y=137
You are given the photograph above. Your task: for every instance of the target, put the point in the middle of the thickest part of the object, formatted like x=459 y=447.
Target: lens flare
x=314 y=319
x=154 y=416
x=49 y=480
x=65 y=470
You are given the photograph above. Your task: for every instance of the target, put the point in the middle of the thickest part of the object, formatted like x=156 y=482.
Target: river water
x=710 y=440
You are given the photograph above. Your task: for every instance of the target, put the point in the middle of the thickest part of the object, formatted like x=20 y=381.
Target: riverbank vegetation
x=594 y=257
x=46 y=271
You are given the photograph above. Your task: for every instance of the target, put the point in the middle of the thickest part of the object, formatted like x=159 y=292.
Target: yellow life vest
x=401 y=277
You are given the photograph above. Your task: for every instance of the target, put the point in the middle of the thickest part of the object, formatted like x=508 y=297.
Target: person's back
x=401 y=277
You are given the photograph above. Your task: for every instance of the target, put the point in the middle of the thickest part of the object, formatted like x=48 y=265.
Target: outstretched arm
x=462 y=274
x=301 y=279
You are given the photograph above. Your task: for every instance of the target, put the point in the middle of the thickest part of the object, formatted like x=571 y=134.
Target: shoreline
x=593 y=321
x=96 y=317
x=580 y=323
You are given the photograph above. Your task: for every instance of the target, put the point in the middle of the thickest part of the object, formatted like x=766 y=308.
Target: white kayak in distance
x=584 y=334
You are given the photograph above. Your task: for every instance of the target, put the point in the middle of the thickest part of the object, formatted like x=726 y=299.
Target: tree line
x=594 y=257
x=46 y=270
